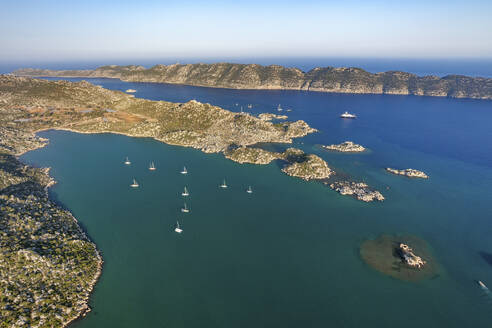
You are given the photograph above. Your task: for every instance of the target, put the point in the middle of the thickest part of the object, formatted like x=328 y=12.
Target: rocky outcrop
x=251 y=155
x=323 y=79
x=346 y=147
x=408 y=257
x=411 y=173
x=358 y=190
x=270 y=116
x=305 y=166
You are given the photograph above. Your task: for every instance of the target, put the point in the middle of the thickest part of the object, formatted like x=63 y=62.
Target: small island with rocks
x=397 y=257
x=305 y=166
x=358 y=190
x=408 y=257
x=411 y=173
x=346 y=147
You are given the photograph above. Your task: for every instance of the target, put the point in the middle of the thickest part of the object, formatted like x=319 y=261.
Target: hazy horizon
x=118 y=30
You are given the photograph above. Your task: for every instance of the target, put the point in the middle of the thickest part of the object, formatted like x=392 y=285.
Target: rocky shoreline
x=270 y=116
x=275 y=77
x=40 y=239
x=346 y=147
x=411 y=173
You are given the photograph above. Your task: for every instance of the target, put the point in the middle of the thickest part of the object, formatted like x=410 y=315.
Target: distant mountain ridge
x=275 y=77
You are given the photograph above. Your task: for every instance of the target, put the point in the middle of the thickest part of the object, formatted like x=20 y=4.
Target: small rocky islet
x=411 y=173
x=402 y=257
x=358 y=190
x=346 y=147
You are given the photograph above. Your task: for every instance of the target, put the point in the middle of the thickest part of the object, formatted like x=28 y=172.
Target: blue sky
x=72 y=30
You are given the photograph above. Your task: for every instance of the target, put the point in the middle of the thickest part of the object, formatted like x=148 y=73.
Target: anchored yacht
x=348 y=115
x=249 y=191
x=184 y=170
x=185 y=192
x=279 y=108
x=152 y=166
x=223 y=185
x=185 y=209
x=178 y=229
x=127 y=161
x=134 y=184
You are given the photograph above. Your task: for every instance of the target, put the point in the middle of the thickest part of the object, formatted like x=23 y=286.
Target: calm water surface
x=286 y=255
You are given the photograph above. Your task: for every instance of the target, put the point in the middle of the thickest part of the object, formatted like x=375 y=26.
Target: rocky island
x=408 y=257
x=411 y=173
x=391 y=255
x=322 y=79
x=346 y=147
x=358 y=190
x=305 y=166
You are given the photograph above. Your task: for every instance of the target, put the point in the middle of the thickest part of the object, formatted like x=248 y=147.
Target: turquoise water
x=286 y=255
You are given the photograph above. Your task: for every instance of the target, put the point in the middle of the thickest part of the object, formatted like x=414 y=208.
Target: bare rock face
x=323 y=79
x=408 y=257
x=411 y=173
x=358 y=190
x=346 y=147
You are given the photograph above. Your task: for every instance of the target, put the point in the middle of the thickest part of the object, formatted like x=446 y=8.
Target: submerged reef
x=392 y=255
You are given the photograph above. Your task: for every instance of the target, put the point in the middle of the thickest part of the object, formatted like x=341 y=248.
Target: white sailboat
x=250 y=106
x=185 y=209
x=223 y=185
x=178 y=229
x=134 y=184
x=249 y=191
x=482 y=285
x=184 y=170
x=279 y=108
x=185 y=193
x=127 y=161
x=152 y=166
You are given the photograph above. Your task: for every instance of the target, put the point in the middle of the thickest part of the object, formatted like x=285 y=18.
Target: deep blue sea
x=288 y=254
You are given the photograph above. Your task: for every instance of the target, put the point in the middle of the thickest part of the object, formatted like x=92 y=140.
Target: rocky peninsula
x=346 y=147
x=48 y=266
x=29 y=105
x=322 y=79
x=391 y=255
x=411 y=173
